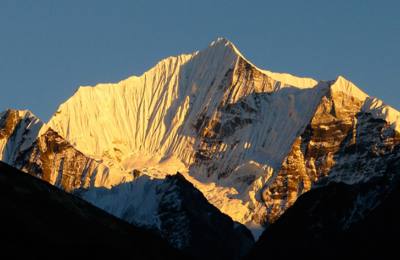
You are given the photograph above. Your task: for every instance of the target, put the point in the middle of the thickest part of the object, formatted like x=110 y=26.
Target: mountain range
x=212 y=153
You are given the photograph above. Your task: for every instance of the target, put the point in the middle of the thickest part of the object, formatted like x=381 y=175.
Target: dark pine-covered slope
x=40 y=221
x=339 y=221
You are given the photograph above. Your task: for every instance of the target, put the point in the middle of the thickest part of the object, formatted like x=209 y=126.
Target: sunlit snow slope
x=212 y=115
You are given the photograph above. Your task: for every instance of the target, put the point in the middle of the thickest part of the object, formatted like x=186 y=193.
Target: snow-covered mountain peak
x=380 y=110
x=18 y=130
x=16 y=112
x=212 y=115
x=222 y=42
x=286 y=79
x=342 y=86
x=10 y=118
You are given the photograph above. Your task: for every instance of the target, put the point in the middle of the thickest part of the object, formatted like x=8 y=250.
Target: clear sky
x=48 y=48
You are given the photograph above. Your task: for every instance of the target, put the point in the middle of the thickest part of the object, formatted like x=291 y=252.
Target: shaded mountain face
x=338 y=220
x=181 y=213
x=40 y=221
x=251 y=141
x=188 y=219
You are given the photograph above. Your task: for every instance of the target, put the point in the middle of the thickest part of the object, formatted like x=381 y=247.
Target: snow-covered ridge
x=341 y=84
x=383 y=111
x=370 y=104
x=286 y=78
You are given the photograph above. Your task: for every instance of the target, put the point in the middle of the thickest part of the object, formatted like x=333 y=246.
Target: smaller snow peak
x=380 y=110
x=370 y=104
x=341 y=84
x=341 y=80
x=17 y=113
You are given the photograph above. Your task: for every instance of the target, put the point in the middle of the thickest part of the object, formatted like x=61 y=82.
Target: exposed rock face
x=341 y=135
x=29 y=145
x=351 y=216
x=9 y=121
x=18 y=130
x=54 y=160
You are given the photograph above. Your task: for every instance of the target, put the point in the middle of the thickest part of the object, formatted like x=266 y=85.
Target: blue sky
x=49 y=48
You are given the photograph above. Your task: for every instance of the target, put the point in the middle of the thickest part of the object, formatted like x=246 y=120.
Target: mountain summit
x=252 y=141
